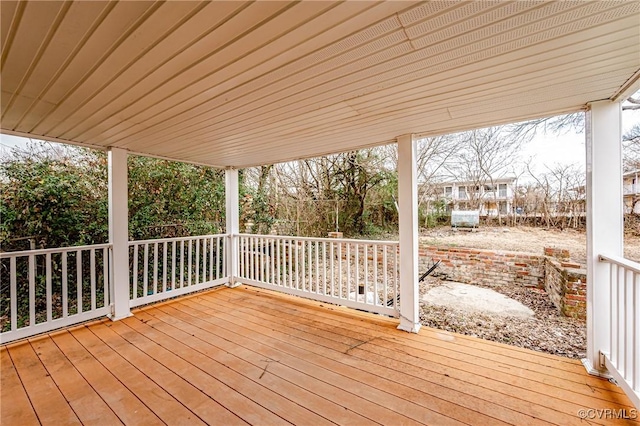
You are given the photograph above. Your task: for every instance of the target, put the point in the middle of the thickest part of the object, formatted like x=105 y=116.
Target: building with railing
x=631 y=191
x=239 y=84
x=489 y=198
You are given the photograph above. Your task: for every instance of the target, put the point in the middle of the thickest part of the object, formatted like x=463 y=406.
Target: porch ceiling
x=239 y=84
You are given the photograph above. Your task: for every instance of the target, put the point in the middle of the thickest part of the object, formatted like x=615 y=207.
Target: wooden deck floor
x=244 y=355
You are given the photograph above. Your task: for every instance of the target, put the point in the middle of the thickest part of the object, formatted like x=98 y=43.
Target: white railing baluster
x=309 y=266
x=247 y=258
x=211 y=251
x=145 y=277
x=357 y=281
x=331 y=270
x=173 y=265
x=324 y=267
x=622 y=345
x=105 y=277
x=48 y=288
x=277 y=278
x=32 y=290
x=348 y=281
x=272 y=258
x=92 y=279
x=365 y=269
x=317 y=244
x=617 y=314
x=635 y=320
x=303 y=276
x=297 y=264
x=197 y=269
x=252 y=259
x=164 y=267
x=376 y=298
x=13 y=293
x=189 y=263
x=385 y=299
x=395 y=278
x=79 y=281
x=135 y=272
x=181 y=263
x=341 y=282
x=217 y=258
x=65 y=286
x=203 y=271
x=155 y=268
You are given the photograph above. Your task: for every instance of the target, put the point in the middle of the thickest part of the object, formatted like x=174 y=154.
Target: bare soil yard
x=523 y=239
x=548 y=331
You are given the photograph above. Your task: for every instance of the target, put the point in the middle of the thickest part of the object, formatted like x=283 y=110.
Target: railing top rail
x=163 y=240
x=9 y=254
x=621 y=261
x=328 y=240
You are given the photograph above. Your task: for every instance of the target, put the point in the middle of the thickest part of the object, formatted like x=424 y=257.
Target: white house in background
x=631 y=189
x=489 y=198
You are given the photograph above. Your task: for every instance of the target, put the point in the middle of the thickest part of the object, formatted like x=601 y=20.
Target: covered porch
x=239 y=84
x=246 y=355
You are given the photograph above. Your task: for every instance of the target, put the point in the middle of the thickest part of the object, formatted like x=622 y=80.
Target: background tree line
x=55 y=195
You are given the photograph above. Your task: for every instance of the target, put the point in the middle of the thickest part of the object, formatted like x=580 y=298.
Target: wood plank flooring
x=251 y=356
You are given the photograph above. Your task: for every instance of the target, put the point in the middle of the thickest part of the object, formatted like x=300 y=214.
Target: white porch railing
x=53 y=288
x=622 y=359
x=170 y=267
x=631 y=189
x=355 y=273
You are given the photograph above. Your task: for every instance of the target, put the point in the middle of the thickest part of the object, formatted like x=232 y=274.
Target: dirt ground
x=523 y=239
x=548 y=331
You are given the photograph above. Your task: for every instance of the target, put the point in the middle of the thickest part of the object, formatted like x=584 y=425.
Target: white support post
x=232 y=217
x=408 y=218
x=604 y=222
x=119 y=232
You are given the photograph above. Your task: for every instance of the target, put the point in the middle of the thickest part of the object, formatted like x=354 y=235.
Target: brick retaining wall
x=486 y=267
x=565 y=282
x=566 y=285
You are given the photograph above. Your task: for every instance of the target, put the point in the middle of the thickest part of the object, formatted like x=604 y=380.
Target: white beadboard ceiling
x=247 y=83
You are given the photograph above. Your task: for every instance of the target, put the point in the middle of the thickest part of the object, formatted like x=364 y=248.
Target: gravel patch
x=548 y=331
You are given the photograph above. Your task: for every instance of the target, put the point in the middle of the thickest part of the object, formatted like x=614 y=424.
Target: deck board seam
x=115 y=377
x=143 y=373
x=35 y=412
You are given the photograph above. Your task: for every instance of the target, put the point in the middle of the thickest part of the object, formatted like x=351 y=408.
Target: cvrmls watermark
x=608 y=413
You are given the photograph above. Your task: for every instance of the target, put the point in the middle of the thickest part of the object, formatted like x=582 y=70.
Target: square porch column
x=604 y=221
x=232 y=218
x=119 y=232
x=408 y=227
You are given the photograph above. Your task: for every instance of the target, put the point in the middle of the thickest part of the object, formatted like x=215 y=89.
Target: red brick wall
x=566 y=285
x=487 y=267
x=565 y=282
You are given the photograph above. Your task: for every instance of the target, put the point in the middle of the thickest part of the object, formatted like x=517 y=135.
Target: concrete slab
x=469 y=298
